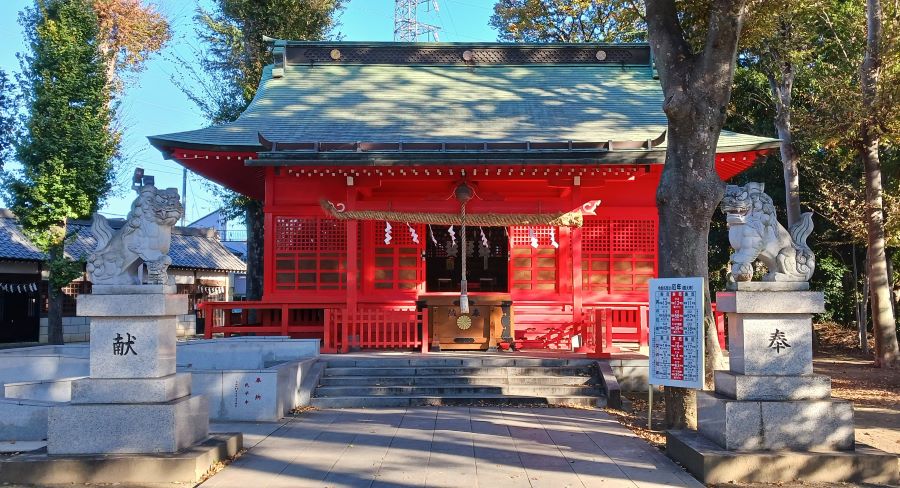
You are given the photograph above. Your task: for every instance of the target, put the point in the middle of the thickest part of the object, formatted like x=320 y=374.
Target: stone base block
x=186 y=466
x=770 y=344
x=127 y=428
x=772 y=425
x=770 y=387
x=767 y=286
x=712 y=464
x=779 y=302
x=132 y=347
x=131 y=390
x=132 y=305
x=133 y=289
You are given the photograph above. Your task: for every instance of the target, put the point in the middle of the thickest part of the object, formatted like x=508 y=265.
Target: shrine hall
x=450 y=196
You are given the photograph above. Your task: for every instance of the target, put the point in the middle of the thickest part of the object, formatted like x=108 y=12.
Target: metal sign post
x=676 y=334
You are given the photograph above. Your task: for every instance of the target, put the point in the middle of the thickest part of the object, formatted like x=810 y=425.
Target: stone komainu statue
x=754 y=233
x=143 y=240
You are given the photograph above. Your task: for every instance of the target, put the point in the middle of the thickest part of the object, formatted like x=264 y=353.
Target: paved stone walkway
x=451 y=447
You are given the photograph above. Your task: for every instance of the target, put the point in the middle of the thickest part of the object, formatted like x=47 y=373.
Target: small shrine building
x=369 y=158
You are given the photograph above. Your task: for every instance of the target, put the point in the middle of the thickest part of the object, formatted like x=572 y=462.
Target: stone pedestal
x=133 y=402
x=770 y=403
x=770 y=399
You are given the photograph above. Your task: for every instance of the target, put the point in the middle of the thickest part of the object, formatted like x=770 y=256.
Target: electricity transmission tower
x=407 y=27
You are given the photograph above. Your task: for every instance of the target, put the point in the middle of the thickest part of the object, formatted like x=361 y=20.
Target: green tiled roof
x=389 y=103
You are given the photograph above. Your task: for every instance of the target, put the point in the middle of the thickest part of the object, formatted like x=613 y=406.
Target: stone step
x=455 y=380
x=461 y=371
x=464 y=400
x=456 y=390
x=453 y=362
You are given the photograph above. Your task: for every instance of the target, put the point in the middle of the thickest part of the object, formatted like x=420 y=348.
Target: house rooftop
x=191 y=248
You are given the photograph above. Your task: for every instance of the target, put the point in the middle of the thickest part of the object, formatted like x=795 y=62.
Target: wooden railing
x=260 y=318
x=607 y=322
x=376 y=328
x=364 y=328
x=628 y=321
x=602 y=326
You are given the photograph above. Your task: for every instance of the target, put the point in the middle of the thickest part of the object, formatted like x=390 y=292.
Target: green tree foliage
x=834 y=278
x=235 y=53
x=568 y=21
x=797 y=79
x=229 y=71
x=66 y=148
x=8 y=126
x=129 y=33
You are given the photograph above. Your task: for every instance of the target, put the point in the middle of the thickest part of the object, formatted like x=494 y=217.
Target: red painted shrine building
x=364 y=154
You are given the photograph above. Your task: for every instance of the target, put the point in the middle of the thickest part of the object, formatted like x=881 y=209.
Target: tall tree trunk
x=861 y=304
x=781 y=85
x=686 y=201
x=889 y=260
x=54 y=316
x=54 y=307
x=883 y=324
x=863 y=307
x=697 y=88
x=255 y=236
x=884 y=327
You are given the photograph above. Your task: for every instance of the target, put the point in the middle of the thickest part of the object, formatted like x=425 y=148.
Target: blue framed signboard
x=676 y=332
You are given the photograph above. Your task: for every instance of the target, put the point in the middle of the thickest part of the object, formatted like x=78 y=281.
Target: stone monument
x=771 y=419
x=133 y=401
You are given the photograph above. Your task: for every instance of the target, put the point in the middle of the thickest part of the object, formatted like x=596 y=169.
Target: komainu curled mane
x=143 y=240
x=754 y=233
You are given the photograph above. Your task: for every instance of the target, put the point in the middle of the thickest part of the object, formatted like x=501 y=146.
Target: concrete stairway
x=394 y=382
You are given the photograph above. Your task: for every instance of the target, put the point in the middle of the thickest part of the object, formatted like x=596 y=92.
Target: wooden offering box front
x=488 y=323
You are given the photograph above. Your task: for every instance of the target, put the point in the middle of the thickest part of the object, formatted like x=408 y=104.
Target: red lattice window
x=618 y=255
x=533 y=268
x=595 y=256
x=310 y=254
x=398 y=265
x=70 y=296
x=637 y=236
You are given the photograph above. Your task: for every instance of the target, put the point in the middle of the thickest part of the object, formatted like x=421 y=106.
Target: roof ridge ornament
x=279 y=59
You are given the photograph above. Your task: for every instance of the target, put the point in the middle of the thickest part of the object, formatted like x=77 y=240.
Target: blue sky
x=153 y=105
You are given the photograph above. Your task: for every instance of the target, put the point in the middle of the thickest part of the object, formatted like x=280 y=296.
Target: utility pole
x=407 y=27
x=184 y=176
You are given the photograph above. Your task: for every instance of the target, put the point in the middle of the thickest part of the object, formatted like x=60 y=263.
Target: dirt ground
x=875 y=394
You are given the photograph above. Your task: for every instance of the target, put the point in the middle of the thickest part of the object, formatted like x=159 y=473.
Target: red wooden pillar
x=352 y=256
x=603 y=334
x=326 y=331
x=207 y=318
x=368 y=261
x=644 y=327
x=269 y=234
x=425 y=338
x=575 y=248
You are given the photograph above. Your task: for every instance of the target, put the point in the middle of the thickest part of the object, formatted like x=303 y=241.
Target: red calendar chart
x=676 y=332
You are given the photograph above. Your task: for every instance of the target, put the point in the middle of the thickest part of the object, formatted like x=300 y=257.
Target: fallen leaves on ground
x=219 y=466
x=635 y=419
x=302 y=410
x=853 y=376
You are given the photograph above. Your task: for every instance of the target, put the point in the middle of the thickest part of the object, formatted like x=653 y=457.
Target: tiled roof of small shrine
x=387 y=93
x=14 y=246
x=191 y=248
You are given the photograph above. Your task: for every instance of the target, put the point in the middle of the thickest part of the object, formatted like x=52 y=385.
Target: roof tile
x=414 y=103
x=190 y=248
